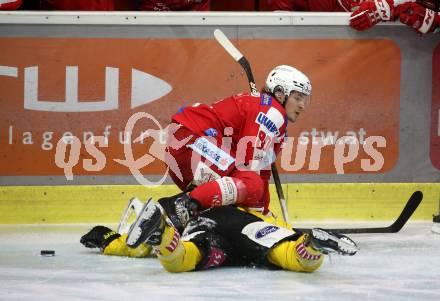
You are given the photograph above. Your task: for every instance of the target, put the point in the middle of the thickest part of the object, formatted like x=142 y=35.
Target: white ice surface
x=403 y=266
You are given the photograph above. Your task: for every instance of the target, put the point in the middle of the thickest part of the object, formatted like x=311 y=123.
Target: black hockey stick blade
x=395 y=227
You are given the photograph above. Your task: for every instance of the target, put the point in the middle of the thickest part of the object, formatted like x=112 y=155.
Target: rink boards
x=306 y=202
x=384 y=82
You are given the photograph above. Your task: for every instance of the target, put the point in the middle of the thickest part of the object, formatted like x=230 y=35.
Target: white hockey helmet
x=288 y=79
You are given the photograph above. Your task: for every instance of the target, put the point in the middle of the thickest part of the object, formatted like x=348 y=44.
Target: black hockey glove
x=99 y=237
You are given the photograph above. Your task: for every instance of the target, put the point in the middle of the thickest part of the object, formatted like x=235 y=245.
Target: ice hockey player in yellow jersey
x=220 y=236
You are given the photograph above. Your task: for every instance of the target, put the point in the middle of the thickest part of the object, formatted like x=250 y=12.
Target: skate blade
x=135 y=232
x=131 y=212
x=346 y=246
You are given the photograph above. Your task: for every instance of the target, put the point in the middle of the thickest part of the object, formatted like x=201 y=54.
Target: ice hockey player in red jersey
x=423 y=18
x=174 y=5
x=228 y=146
x=86 y=5
x=10 y=4
x=313 y=5
x=420 y=15
x=109 y=5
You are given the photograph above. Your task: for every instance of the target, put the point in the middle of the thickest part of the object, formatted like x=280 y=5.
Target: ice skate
x=148 y=227
x=329 y=242
x=179 y=209
x=131 y=212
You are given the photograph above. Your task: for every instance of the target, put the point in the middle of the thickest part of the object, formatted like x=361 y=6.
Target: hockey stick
x=280 y=192
x=395 y=227
x=223 y=40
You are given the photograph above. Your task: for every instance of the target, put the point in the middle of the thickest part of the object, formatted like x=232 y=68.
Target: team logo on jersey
x=181 y=109
x=212 y=153
x=266 y=99
x=266 y=234
x=265 y=231
x=267 y=123
x=211 y=132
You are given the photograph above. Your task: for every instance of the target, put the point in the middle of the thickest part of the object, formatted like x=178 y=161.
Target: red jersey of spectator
x=9 y=4
x=173 y=5
x=306 y=5
x=255 y=126
x=104 y=5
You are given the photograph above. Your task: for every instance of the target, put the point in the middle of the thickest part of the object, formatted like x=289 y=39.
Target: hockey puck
x=47 y=253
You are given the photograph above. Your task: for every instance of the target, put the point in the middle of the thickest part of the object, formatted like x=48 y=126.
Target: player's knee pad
x=253 y=185
x=216 y=250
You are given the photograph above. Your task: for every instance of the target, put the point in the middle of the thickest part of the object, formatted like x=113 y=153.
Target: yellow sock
x=296 y=256
x=176 y=255
x=118 y=247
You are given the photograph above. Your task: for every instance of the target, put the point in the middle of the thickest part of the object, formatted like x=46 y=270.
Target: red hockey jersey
x=256 y=124
x=175 y=5
x=305 y=5
x=10 y=4
x=95 y=5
